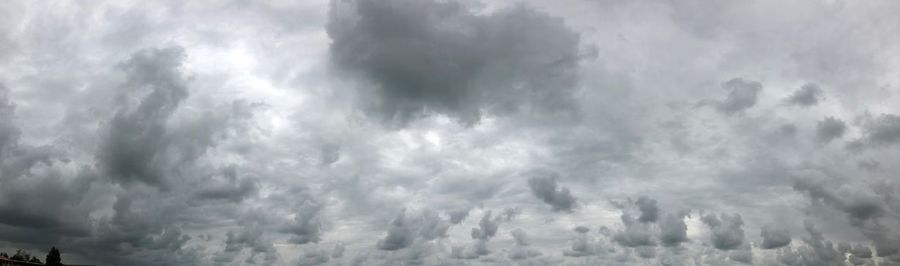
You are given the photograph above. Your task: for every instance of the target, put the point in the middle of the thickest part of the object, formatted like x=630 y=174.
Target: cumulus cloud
x=858 y=204
x=673 y=230
x=726 y=231
x=880 y=131
x=648 y=208
x=228 y=187
x=306 y=227
x=742 y=255
x=481 y=235
x=142 y=235
x=405 y=230
x=581 y=229
x=433 y=56
x=774 y=237
x=817 y=251
x=635 y=233
x=544 y=188
x=808 y=95
x=741 y=95
x=135 y=150
x=457 y=216
x=249 y=238
x=829 y=129
x=487 y=227
x=584 y=245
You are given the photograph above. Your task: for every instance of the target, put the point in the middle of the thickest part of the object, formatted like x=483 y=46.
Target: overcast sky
x=444 y=132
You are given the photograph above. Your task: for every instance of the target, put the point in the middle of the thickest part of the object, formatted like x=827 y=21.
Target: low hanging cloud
x=808 y=95
x=136 y=148
x=406 y=230
x=829 y=129
x=306 y=225
x=649 y=209
x=881 y=131
x=545 y=188
x=726 y=231
x=635 y=235
x=481 y=235
x=774 y=237
x=742 y=95
x=858 y=203
x=251 y=238
x=673 y=230
x=436 y=56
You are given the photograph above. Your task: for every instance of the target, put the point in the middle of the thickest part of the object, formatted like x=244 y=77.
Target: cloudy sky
x=433 y=132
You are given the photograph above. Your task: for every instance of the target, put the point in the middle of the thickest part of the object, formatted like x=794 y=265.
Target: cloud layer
x=404 y=132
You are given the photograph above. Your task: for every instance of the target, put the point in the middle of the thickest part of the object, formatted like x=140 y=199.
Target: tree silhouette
x=21 y=255
x=3 y=255
x=35 y=260
x=53 y=257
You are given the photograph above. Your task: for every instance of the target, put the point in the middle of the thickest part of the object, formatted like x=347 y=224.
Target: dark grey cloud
x=9 y=133
x=726 y=231
x=646 y=252
x=229 y=188
x=306 y=226
x=635 y=233
x=433 y=56
x=481 y=235
x=881 y=130
x=314 y=257
x=457 y=216
x=487 y=227
x=141 y=235
x=399 y=235
x=581 y=229
x=742 y=255
x=673 y=230
x=251 y=238
x=774 y=237
x=818 y=251
x=866 y=210
x=584 y=245
x=861 y=251
x=135 y=149
x=829 y=129
x=858 y=204
x=649 y=209
x=808 y=95
x=742 y=95
x=545 y=188
x=405 y=230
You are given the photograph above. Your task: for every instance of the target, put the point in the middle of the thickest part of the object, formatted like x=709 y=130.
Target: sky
x=451 y=132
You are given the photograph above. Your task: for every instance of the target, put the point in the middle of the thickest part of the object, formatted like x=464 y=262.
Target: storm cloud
x=545 y=188
x=429 y=56
x=808 y=95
